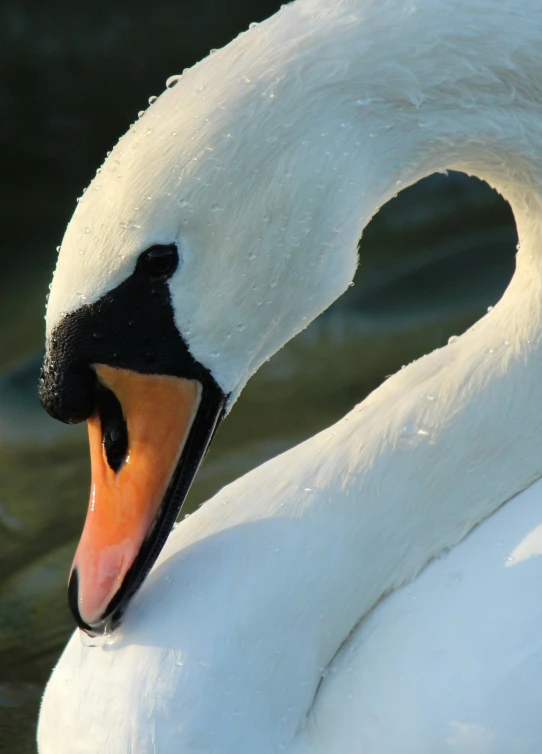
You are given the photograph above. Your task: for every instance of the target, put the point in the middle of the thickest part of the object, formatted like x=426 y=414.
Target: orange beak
x=135 y=447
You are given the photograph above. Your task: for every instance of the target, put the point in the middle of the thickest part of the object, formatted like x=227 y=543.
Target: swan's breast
x=453 y=661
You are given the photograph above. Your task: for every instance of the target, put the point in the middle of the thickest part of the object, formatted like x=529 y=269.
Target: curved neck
x=330 y=109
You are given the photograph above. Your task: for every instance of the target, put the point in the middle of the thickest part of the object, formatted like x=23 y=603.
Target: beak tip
x=73 y=602
x=105 y=624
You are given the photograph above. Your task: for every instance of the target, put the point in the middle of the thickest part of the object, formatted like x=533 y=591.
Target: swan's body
x=259 y=629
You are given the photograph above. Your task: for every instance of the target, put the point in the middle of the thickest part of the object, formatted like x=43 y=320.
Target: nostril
x=114 y=429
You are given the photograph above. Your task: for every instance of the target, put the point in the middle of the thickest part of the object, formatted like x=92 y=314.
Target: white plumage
x=264 y=626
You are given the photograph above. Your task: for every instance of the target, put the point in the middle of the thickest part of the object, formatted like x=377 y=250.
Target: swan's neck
x=415 y=89
x=330 y=109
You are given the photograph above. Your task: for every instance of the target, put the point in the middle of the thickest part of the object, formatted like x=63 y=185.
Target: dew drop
x=453 y=338
x=172 y=81
x=94 y=641
x=152 y=99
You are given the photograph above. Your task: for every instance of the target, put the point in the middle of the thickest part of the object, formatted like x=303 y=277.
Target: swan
x=377 y=587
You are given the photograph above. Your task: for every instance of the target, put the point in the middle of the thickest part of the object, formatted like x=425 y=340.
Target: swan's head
x=197 y=251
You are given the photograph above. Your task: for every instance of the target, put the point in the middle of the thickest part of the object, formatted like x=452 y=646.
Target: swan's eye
x=160 y=262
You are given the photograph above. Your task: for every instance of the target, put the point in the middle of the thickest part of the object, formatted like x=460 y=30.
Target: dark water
x=432 y=262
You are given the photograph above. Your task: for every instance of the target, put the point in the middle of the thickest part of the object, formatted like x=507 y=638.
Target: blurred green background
x=73 y=77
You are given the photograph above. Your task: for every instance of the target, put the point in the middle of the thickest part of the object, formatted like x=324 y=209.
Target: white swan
x=262 y=627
